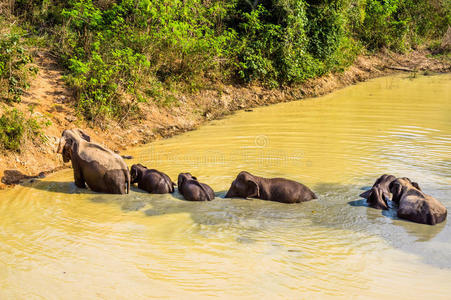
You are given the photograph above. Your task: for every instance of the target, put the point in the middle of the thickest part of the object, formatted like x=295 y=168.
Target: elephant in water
x=273 y=189
x=193 y=190
x=415 y=205
x=379 y=194
x=151 y=180
x=101 y=169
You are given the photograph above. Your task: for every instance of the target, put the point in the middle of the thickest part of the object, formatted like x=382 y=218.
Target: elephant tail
x=171 y=186
x=209 y=198
x=128 y=179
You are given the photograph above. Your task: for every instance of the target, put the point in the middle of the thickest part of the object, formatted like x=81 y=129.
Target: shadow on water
x=356 y=203
x=61 y=187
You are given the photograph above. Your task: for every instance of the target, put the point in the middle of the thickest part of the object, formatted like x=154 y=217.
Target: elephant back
x=91 y=153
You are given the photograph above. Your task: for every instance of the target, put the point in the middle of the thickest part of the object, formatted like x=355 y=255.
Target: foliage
x=121 y=49
x=400 y=24
x=119 y=53
x=272 y=44
x=15 y=128
x=14 y=67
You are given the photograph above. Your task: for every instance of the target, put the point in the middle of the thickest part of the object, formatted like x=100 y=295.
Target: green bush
x=399 y=24
x=118 y=53
x=15 y=128
x=272 y=43
x=381 y=26
x=14 y=67
x=284 y=42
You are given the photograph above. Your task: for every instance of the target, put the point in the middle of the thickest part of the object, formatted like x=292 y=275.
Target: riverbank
x=52 y=101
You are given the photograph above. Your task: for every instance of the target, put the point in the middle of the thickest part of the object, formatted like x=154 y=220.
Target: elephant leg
x=115 y=182
x=78 y=177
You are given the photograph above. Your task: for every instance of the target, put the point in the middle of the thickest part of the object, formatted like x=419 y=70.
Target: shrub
x=14 y=67
x=272 y=43
x=15 y=129
x=113 y=53
x=118 y=53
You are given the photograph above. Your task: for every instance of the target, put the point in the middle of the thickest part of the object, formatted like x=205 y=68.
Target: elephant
x=415 y=205
x=192 y=189
x=273 y=189
x=399 y=186
x=101 y=169
x=151 y=180
x=379 y=194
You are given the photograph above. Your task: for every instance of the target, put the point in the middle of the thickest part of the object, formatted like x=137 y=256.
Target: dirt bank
x=52 y=101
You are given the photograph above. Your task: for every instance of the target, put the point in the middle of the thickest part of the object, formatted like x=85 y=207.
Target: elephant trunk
x=128 y=181
x=61 y=144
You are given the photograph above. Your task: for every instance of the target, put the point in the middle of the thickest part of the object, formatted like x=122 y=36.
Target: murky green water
x=57 y=241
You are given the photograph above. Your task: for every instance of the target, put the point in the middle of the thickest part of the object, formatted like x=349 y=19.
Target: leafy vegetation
x=15 y=68
x=15 y=128
x=118 y=53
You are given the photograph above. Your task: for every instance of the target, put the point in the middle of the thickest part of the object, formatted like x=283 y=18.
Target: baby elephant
x=273 y=189
x=151 y=180
x=193 y=190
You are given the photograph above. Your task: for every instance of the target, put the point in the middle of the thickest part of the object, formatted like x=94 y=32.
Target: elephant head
x=399 y=186
x=377 y=198
x=136 y=173
x=381 y=183
x=183 y=177
x=68 y=139
x=245 y=185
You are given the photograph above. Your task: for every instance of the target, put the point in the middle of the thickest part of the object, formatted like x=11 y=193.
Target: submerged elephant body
x=151 y=180
x=415 y=205
x=193 y=190
x=101 y=169
x=273 y=189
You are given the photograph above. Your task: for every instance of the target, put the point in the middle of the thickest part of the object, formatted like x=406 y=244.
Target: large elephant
x=101 y=169
x=379 y=194
x=400 y=186
x=151 y=180
x=193 y=190
x=274 y=189
x=415 y=205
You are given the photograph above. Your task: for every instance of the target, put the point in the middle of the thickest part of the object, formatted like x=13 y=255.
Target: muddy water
x=57 y=241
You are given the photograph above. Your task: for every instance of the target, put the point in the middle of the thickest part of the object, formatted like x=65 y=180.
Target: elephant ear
x=83 y=135
x=395 y=188
x=252 y=189
x=365 y=194
x=133 y=174
x=180 y=180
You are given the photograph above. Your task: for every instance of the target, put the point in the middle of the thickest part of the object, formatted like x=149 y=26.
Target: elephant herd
x=104 y=171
